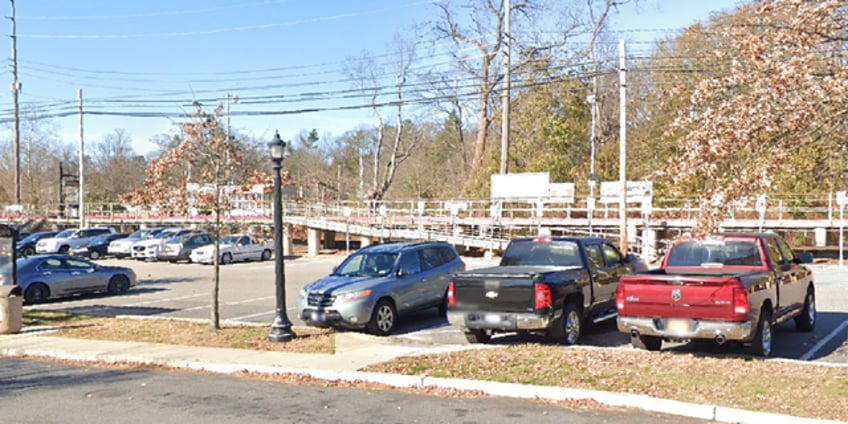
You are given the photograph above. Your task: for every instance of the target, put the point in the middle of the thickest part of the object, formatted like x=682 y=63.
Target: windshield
x=65 y=234
x=708 y=253
x=144 y=233
x=100 y=239
x=165 y=235
x=367 y=264
x=31 y=238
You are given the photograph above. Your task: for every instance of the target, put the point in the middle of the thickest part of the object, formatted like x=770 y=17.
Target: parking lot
x=183 y=290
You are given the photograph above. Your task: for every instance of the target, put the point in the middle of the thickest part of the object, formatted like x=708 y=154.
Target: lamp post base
x=281 y=332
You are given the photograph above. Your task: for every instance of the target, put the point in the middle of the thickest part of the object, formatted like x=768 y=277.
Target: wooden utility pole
x=505 y=118
x=16 y=86
x=622 y=149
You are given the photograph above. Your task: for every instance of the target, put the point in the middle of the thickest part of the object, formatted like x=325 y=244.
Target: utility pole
x=16 y=86
x=81 y=165
x=622 y=148
x=505 y=119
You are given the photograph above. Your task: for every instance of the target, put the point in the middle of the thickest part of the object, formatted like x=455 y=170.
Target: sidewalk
x=354 y=351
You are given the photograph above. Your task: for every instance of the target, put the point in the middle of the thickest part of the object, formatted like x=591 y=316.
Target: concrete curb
x=512 y=390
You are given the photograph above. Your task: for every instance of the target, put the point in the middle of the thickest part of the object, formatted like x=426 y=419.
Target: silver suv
x=70 y=239
x=377 y=284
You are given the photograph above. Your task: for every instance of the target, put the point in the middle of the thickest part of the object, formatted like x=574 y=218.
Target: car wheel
x=761 y=346
x=226 y=258
x=36 y=293
x=568 y=328
x=64 y=249
x=651 y=343
x=443 y=307
x=807 y=320
x=266 y=255
x=383 y=318
x=118 y=284
x=477 y=336
x=29 y=251
x=94 y=255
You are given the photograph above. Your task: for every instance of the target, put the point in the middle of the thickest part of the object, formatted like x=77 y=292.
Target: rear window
x=708 y=253
x=533 y=252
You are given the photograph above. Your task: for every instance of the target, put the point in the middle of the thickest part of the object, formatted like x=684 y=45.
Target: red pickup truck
x=724 y=287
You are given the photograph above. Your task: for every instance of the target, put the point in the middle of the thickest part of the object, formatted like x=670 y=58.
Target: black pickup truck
x=550 y=285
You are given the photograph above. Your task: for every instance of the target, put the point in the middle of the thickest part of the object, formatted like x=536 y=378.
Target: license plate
x=492 y=318
x=678 y=326
x=316 y=316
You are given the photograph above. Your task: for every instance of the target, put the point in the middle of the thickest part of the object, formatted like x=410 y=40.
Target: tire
x=762 y=343
x=383 y=318
x=119 y=284
x=568 y=328
x=443 y=306
x=266 y=255
x=226 y=258
x=64 y=250
x=807 y=320
x=651 y=343
x=477 y=336
x=29 y=251
x=36 y=293
x=94 y=255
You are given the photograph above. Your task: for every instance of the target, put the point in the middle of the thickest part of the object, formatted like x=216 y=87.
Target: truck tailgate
x=668 y=296
x=502 y=289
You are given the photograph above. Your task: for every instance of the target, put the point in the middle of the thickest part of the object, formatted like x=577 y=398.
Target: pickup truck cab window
x=786 y=251
x=593 y=251
x=774 y=252
x=527 y=252
x=612 y=257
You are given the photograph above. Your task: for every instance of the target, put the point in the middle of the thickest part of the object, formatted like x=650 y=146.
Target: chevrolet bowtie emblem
x=491 y=294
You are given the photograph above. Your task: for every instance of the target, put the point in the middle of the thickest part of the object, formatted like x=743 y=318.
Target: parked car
x=69 y=239
x=45 y=277
x=122 y=248
x=97 y=247
x=148 y=249
x=179 y=247
x=379 y=283
x=26 y=246
x=233 y=248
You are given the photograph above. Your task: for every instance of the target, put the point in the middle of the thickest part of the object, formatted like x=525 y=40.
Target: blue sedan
x=54 y=276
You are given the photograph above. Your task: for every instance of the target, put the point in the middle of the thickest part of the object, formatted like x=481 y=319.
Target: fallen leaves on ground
x=775 y=386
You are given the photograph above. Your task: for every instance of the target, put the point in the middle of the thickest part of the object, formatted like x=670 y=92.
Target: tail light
x=451 y=296
x=542 y=296
x=619 y=298
x=741 y=307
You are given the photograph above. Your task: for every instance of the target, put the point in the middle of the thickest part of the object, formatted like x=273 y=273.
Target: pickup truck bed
x=723 y=287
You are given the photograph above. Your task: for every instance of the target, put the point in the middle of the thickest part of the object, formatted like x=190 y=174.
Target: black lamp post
x=281 y=328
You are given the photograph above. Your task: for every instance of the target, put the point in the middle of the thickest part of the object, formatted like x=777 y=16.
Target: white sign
x=637 y=192
x=529 y=185
x=840 y=198
x=383 y=210
x=346 y=211
x=420 y=207
x=561 y=192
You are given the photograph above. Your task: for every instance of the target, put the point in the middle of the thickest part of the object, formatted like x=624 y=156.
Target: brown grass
x=740 y=382
x=307 y=340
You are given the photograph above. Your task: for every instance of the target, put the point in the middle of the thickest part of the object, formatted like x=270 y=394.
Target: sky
x=279 y=62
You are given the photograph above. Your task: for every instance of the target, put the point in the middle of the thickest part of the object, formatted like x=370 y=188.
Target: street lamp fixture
x=281 y=328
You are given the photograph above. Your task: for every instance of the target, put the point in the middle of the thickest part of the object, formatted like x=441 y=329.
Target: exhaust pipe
x=634 y=333
x=720 y=339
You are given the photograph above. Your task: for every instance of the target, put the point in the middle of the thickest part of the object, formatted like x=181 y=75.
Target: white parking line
x=807 y=356
x=240 y=302
x=259 y=314
x=168 y=299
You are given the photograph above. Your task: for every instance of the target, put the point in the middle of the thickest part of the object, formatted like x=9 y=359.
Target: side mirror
x=402 y=273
